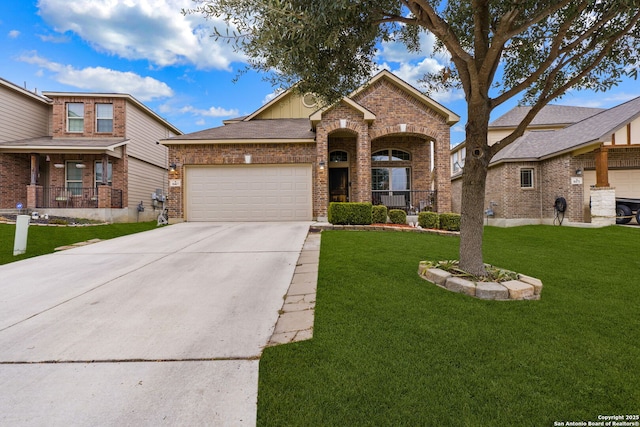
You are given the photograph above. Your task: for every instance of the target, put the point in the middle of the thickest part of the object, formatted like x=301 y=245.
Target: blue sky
x=168 y=61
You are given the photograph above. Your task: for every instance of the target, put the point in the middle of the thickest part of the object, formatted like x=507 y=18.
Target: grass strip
x=390 y=349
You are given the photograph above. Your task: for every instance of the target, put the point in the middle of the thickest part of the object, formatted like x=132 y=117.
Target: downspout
x=432 y=155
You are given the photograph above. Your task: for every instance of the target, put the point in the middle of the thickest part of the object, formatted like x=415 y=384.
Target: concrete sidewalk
x=163 y=327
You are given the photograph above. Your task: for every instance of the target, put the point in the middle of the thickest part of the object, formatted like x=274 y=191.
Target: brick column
x=32 y=196
x=442 y=172
x=104 y=196
x=363 y=168
x=321 y=186
x=603 y=206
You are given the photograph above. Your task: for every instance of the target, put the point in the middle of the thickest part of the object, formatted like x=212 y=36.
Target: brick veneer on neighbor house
x=552 y=179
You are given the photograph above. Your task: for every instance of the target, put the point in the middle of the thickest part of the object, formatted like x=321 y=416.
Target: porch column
x=321 y=187
x=602 y=167
x=104 y=196
x=105 y=169
x=34 y=169
x=442 y=172
x=363 y=153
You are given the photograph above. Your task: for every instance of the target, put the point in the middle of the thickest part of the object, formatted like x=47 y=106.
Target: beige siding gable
x=143 y=132
x=21 y=117
x=291 y=106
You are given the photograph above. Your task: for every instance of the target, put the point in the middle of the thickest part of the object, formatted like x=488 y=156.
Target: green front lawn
x=391 y=349
x=43 y=240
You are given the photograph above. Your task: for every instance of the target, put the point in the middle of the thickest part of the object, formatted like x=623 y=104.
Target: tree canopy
x=531 y=50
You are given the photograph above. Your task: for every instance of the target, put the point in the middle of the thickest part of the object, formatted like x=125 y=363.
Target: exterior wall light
x=80 y=165
x=321 y=164
x=579 y=172
x=172 y=167
x=58 y=165
x=247 y=158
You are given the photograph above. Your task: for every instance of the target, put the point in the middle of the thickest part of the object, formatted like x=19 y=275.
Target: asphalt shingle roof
x=550 y=115
x=597 y=128
x=48 y=142
x=294 y=129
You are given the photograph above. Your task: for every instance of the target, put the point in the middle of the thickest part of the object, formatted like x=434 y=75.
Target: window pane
x=104 y=114
x=380 y=179
x=73 y=173
x=338 y=156
x=400 y=155
x=526 y=178
x=98 y=170
x=400 y=179
x=75 y=117
x=380 y=156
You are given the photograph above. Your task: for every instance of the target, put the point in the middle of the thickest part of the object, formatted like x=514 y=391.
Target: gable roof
x=266 y=130
x=550 y=115
x=591 y=131
x=25 y=92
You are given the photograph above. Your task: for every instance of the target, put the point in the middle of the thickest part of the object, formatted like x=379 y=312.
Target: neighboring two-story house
x=576 y=154
x=386 y=143
x=86 y=155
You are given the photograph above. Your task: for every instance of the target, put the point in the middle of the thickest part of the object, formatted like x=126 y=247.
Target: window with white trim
x=526 y=178
x=98 y=173
x=75 y=117
x=73 y=177
x=104 y=118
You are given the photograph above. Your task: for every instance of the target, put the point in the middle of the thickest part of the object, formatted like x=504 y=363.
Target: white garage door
x=249 y=193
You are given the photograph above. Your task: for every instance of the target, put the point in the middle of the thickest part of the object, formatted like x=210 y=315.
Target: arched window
x=387 y=178
x=338 y=156
x=390 y=155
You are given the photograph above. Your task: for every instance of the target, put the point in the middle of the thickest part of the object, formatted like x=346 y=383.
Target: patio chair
x=63 y=198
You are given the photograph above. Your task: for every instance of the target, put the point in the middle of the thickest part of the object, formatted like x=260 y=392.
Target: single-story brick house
x=576 y=153
x=385 y=143
x=86 y=155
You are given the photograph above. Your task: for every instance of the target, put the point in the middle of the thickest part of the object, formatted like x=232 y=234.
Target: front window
x=75 y=117
x=526 y=178
x=98 y=175
x=73 y=178
x=104 y=118
x=393 y=179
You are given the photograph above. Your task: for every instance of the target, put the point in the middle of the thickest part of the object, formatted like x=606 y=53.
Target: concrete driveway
x=162 y=327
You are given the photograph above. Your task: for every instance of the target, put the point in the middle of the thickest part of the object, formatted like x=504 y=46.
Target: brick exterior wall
x=59 y=121
x=552 y=179
x=15 y=177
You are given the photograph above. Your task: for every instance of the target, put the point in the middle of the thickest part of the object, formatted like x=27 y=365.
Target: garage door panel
x=249 y=193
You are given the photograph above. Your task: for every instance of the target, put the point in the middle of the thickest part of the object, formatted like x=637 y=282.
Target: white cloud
x=210 y=112
x=14 y=34
x=100 y=79
x=396 y=51
x=271 y=96
x=153 y=30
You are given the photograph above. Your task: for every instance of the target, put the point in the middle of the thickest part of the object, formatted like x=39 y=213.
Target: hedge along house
x=385 y=143
x=586 y=156
x=87 y=155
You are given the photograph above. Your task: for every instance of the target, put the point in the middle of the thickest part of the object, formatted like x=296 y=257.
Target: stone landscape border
x=524 y=288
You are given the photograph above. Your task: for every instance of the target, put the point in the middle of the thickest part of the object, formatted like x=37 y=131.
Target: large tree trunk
x=473 y=189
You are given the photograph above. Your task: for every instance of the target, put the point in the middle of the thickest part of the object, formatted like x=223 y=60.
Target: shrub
x=428 y=220
x=59 y=221
x=379 y=214
x=397 y=216
x=450 y=221
x=350 y=213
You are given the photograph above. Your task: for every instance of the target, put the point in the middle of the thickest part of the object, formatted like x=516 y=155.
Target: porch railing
x=73 y=197
x=411 y=201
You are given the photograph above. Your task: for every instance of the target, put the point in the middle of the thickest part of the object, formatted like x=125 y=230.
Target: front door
x=339 y=184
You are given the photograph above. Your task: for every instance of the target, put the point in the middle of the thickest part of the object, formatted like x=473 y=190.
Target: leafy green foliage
x=450 y=221
x=350 y=213
x=397 y=216
x=428 y=220
x=379 y=214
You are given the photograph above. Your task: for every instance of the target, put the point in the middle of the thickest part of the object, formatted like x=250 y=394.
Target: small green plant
x=450 y=221
x=379 y=214
x=397 y=216
x=428 y=220
x=59 y=221
x=350 y=213
x=494 y=274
